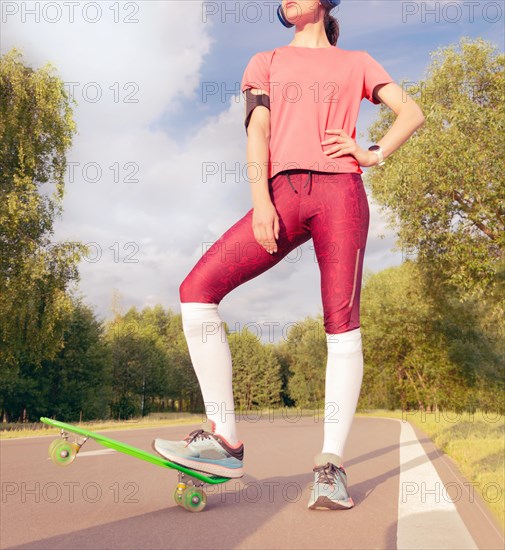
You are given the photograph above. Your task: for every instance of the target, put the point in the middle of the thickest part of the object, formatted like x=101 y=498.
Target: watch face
x=374 y=148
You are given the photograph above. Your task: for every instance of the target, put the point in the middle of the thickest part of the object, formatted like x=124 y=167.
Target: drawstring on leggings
x=309 y=178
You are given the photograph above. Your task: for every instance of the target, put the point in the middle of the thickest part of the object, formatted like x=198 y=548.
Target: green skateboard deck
x=189 y=495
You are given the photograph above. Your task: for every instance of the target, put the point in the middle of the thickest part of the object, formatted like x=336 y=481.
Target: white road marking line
x=427 y=516
x=93 y=453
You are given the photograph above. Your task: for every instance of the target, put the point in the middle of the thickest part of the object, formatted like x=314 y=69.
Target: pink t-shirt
x=312 y=90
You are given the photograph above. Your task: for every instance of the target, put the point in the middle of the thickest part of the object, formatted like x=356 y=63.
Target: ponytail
x=331 y=28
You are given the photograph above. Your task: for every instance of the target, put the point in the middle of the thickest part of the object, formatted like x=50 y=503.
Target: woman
x=302 y=102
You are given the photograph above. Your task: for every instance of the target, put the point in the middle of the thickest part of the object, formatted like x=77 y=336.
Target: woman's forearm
x=406 y=123
x=257 y=153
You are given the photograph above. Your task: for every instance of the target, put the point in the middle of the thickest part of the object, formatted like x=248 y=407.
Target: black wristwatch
x=378 y=151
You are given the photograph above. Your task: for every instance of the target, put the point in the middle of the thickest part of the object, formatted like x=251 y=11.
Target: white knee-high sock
x=344 y=374
x=211 y=358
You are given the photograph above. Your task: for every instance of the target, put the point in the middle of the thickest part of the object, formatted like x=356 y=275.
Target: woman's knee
x=339 y=325
x=191 y=291
x=195 y=288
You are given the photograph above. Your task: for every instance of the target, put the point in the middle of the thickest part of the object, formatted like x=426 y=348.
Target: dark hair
x=331 y=28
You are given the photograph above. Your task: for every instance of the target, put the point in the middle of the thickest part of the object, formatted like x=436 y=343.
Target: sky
x=135 y=189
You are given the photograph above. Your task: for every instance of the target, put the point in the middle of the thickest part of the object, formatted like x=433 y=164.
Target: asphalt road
x=407 y=495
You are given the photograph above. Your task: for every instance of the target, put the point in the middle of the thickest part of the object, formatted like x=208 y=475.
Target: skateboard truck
x=81 y=443
x=64 y=435
x=190 y=494
x=191 y=480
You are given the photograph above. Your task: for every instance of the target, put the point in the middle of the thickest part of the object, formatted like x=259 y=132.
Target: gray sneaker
x=205 y=451
x=329 y=491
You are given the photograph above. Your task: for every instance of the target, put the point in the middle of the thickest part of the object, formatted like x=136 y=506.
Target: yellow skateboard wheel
x=64 y=452
x=53 y=444
x=179 y=494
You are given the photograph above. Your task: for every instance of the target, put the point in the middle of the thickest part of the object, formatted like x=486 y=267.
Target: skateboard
x=189 y=492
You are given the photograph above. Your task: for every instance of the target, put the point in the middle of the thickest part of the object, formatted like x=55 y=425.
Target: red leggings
x=332 y=208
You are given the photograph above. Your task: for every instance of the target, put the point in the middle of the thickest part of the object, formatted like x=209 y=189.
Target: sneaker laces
x=195 y=434
x=326 y=474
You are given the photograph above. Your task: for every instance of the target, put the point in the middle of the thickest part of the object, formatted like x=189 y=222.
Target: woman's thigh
x=339 y=222
x=236 y=257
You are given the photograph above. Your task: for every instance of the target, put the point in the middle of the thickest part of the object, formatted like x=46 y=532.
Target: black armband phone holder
x=253 y=101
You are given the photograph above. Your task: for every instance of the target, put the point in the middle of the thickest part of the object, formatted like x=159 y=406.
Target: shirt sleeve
x=257 y=74
x=374 y=73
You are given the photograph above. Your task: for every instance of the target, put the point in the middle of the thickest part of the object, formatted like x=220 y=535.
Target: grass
x=474 y=441
x=150 y=421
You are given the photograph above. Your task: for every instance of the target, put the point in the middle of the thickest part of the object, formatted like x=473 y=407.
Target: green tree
x=256 y=373
x=182 y=383
x=139 y=359
x=281 y=352
x=36 y=130
x=443 y=190
x=422 y=352
x=74 y=385
x=307 y=353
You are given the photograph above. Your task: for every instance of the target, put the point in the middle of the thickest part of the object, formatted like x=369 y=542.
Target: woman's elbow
x=418 y=114
x=415 y=115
